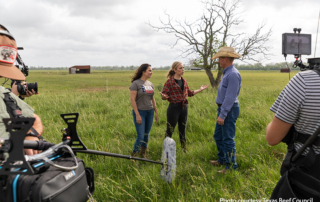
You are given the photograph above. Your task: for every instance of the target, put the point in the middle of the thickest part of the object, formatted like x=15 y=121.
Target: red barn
x=285 y=70
x=80 y=69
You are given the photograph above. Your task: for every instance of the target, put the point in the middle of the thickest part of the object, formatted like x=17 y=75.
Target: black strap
x=306 y=144
x=305 y=188
x=35 y=133
x=12 y=108
x=289 y=139
x=15 y=112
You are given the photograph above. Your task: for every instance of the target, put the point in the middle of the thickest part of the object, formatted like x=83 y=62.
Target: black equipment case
x=50 y=183
x=55 y=175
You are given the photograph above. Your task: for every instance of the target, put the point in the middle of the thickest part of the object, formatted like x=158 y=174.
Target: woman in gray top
x=144 y=107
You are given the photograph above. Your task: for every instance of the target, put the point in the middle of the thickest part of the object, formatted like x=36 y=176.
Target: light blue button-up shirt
x=229 y=89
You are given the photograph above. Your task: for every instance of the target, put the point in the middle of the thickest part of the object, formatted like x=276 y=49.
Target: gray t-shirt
x=145 y=92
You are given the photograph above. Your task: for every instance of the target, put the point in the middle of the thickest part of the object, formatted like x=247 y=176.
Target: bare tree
x=213 y=30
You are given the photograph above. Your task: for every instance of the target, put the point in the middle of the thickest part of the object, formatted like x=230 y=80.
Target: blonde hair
x=174 y=66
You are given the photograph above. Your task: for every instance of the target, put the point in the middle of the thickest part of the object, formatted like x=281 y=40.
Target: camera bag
x=51 y=183
x=300 y=178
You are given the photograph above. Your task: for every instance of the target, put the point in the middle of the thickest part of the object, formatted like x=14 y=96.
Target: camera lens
x=33 y=86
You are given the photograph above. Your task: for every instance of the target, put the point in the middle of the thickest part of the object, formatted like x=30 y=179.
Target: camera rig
x=314 y=63
x=18 y=163
x=298 y=44
x=24 y=68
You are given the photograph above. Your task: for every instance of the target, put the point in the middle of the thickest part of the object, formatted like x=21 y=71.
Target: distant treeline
x=259 y=66
x=109 y=68
x=256 y=66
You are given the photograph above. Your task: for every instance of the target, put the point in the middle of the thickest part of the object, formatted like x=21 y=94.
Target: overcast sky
x=63 y=33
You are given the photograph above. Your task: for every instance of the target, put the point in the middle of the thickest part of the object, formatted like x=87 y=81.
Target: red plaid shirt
x=176 y=95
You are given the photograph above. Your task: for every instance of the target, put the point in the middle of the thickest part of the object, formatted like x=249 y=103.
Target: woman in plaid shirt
x=176 y=91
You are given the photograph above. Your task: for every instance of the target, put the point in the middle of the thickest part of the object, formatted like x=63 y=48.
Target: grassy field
x=106 y=124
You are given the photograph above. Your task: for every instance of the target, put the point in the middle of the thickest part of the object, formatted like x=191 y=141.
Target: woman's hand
x=138 y=119
x=203 y=87
x=164 y=96
x=156 y=117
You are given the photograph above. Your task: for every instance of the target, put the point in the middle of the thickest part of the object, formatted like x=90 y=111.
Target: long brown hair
x=138 y=73
x=174 y=66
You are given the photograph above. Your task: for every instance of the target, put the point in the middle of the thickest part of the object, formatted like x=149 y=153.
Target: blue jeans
x=143 y=129
x=224 y=136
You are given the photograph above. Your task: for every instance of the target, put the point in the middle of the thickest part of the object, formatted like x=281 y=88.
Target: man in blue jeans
x=228 y=110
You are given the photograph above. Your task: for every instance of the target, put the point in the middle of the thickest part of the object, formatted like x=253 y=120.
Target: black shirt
x=180 y=83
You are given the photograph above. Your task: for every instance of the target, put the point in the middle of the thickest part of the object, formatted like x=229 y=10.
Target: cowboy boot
x=184 y=146
x=133 y=154
x=143 y=152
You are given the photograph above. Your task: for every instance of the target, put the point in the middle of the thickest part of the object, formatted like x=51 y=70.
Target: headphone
x=6 y=32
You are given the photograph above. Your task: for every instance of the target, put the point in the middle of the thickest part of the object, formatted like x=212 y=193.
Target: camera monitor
x=296 y=44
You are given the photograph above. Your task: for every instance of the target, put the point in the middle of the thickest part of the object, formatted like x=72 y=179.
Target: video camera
x=299 y=44
x=25 y=70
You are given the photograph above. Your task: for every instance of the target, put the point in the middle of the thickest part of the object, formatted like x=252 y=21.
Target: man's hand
x=31 y=151
x=220 y=121
x=14 y=90
x=29 y=93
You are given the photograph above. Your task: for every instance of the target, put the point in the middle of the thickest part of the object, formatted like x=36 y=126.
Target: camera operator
x=297 y=112
x=18 y=108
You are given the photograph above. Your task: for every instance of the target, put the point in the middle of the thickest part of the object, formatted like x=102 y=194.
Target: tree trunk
x=219 y=75
x=210 y=76
x=214 y=82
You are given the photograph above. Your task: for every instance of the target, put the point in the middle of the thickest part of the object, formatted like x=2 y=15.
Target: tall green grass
x=106 y=124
